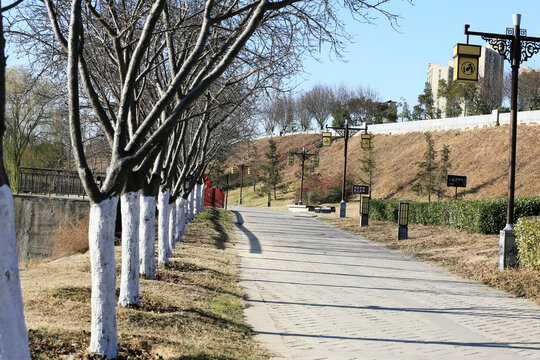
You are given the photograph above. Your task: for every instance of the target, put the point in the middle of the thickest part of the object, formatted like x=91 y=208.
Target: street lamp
x=516 y=47
x=303 y=156
x=241 y=181
x=234 y=171
x=345 y=132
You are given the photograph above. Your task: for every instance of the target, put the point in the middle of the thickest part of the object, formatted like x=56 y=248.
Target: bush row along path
x=316 y=292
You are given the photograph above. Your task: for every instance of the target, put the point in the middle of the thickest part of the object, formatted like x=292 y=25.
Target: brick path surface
x=316 y=292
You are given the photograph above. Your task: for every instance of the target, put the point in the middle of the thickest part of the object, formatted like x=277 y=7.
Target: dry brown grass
x=480 y=154
x=471 y=256
x=71 y=237
x=194 y=310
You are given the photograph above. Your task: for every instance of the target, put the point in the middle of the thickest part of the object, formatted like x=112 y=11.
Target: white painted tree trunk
x=201 y=204
x=13 y=335
x=129 y=280
x=191 y=206
x=195 y=193
x=147 y=233
x=177 y=219
x=172 y=226
x=163 y=228
x=199 y=199
x=180 y=217
x=186 y=215
x=103 y=339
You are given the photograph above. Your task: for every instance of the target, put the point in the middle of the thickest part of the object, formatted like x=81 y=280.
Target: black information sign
x=360 y=189
x=456 y=181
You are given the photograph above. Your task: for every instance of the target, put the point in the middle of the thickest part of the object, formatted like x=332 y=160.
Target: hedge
x=481 y=216
x=528 y=241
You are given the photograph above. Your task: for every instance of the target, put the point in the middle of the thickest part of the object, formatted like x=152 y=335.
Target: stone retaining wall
x=36 y=217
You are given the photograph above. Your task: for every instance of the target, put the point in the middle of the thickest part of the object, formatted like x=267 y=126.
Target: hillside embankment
x=479 y=154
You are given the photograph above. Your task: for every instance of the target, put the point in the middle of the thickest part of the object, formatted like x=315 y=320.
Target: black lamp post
x=241 y=181
x=516 y=47
x=303 y=156
x=345 y=132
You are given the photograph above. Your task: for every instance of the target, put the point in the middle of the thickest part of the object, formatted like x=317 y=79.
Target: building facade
x=490 y=71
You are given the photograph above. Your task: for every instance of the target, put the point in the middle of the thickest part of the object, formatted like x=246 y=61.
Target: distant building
x=490 y=71
x=436 y=73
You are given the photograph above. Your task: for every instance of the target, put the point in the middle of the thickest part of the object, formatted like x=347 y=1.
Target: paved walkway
x=316 y=292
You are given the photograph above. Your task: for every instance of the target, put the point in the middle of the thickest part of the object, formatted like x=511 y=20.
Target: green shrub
x=527 y=232
x=481 y=216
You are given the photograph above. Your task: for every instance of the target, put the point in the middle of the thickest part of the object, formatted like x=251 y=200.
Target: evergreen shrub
x=527 y=232
x=486 y=216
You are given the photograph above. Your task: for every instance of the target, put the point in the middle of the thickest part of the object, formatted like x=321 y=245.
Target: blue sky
x=395 y=63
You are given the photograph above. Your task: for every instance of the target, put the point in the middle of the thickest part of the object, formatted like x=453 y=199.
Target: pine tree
x=426 y=176
x=270 y=171
x=368 y=166
x=443 y=170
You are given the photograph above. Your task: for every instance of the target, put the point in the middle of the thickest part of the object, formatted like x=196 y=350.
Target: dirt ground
x=480 y=154
x=193 y=310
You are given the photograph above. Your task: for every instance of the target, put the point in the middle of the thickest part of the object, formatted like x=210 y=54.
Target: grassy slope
x=479 y=154
x=194 y=310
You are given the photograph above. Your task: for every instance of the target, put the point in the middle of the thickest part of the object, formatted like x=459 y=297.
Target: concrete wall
x=459 y=123
x=36 y=217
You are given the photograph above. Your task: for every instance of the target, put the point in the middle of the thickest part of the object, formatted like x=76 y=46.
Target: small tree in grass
x=270 y=171
x=367 y=166
x=426 y=182
x=443 y=170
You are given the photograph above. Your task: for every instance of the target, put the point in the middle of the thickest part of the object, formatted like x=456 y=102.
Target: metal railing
x=52 y=181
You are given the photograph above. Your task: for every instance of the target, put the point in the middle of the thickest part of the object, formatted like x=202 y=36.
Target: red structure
x=212 y=196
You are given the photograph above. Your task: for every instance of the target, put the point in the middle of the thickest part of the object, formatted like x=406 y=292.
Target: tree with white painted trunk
x=13 y=335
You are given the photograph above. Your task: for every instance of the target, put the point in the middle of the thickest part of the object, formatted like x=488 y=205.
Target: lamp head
x=516 y=19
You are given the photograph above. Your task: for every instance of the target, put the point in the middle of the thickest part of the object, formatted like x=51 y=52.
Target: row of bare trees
x=171 y=84
x=322 y=103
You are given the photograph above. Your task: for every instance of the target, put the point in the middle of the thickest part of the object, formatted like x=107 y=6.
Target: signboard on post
x=466 y=62
x=360 y=189
x=456 y=181
x=327 y=138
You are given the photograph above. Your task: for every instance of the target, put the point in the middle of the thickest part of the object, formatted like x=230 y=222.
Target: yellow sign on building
x=327 y=138
x=466 y=62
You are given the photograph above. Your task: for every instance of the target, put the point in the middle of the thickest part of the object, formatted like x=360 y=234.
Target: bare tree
x=288 y=121
x=319 y=102
x=13 y=335
x=302 y=115
x=30 y=104
x=271 y=114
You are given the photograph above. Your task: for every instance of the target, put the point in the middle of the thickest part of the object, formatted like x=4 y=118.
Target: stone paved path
x=316 y=292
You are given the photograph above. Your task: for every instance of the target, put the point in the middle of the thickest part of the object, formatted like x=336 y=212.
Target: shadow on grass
x=216 y=319
x=222 y=237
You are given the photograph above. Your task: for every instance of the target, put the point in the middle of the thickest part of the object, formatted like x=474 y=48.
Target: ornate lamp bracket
x=502 y=46
x=528 y=49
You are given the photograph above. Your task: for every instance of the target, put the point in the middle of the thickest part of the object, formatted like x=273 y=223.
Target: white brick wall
x=461 y=123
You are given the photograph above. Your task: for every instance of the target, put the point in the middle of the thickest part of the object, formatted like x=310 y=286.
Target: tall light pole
x=303 y=156
x=241 y=181
x=345 y=132
x=516 y=47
